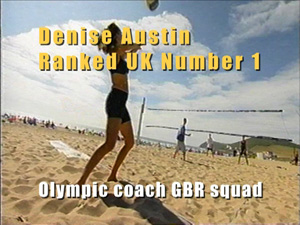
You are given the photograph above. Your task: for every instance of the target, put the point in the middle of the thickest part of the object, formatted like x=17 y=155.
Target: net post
x=140 y=122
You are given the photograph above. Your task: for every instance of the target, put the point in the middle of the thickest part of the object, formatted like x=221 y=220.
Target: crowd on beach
x=33 y=121
x=229 y=152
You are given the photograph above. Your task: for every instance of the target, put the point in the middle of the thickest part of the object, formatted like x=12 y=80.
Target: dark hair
x=114 y=29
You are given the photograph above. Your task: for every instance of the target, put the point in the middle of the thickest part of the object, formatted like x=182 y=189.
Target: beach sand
x=28 y=158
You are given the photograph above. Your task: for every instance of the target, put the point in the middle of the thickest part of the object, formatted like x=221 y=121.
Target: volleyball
x=152 y=4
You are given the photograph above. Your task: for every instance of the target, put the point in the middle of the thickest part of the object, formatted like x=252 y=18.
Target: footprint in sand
x=67 y=207
x=38 y=170
x=51 y=206
x=211 y=212
x=25 y=163
x=5 y=174
x=5 y=191
x=259 y=218
x=23 y=168
x=22 y=189
x=35 y=159
x=6 y=182
x=71 y=169
x=230 y=215
x=59 y=171
x=17 y=159
x=197 y=205
x=95 y=211
x=254 y=204
x=11 y=199
x=51 y=174
x=99 y=175
x=23 y=206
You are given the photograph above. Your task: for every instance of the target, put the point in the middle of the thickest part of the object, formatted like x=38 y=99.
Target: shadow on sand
x=200 y=164
x=151 y=209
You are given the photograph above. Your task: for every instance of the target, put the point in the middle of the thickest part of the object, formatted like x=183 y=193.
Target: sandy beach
x=28 y=159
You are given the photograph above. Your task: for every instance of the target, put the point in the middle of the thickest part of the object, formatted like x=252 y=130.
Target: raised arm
x=186 y=134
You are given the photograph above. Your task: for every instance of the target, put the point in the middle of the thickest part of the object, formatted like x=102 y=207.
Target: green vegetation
x=252 y=142
x=283 y=149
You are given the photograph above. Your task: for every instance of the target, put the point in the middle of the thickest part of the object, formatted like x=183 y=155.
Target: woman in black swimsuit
x=118 y=116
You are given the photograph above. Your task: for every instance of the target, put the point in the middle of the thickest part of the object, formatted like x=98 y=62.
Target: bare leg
x=183 y=156
x=127 y=132
x=112 y=129
x=239 y=159
x=175 y=153
x=246 y=159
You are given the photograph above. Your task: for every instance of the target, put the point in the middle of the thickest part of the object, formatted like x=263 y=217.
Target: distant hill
x=284 y=152
x=252 y=142
x=283 y=149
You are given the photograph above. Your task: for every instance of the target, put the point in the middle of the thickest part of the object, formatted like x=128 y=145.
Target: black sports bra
x=121 y=68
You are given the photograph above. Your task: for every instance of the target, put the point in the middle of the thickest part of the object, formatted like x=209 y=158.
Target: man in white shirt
x=180 y=140
x=210 y=145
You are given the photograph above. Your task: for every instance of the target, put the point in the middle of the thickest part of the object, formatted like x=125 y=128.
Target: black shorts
x=116 y=105
x=243 y=152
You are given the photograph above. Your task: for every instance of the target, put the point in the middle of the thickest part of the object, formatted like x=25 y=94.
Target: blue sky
x=222 y=27
x=210 y=21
